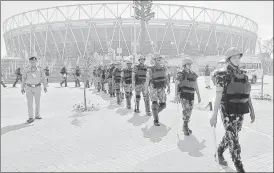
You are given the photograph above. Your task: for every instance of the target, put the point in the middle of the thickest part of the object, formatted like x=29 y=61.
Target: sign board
x=119 y=50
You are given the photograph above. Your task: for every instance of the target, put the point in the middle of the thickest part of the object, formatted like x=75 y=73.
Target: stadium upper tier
x=79 y=30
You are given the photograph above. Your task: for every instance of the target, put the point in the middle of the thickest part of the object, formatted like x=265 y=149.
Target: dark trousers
x=233 y=125
x=64 y=81
x=18 y=78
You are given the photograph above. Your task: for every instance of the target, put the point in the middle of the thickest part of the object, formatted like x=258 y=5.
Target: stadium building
x=67 y=34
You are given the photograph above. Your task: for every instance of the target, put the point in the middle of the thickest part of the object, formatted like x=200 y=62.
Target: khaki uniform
x=33 y=77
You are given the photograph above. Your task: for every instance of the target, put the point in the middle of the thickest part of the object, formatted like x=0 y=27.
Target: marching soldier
x=109 y=78
x=18 y=76
x=185 y=87
x=157 y=80
x=103 y=78
x=233 y=98
x=139 y=79
x=117 y=81
x=127 y=83
x=77 y=76
x=32 y=78
x=98 y=78
x=47 y=73
x=64 y=73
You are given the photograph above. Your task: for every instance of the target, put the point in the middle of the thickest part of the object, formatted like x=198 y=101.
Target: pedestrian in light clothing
x=233 y=98
x=207 y=77
x=32 y=78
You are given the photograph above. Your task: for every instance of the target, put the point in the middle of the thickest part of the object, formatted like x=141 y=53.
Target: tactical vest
x=110 y=71
x=238 y=90
x=77 y=72
x=47 y=72
x=158 y=77
x=187 y=85
x=128 y=76
x=141 y=74
x=117 y=75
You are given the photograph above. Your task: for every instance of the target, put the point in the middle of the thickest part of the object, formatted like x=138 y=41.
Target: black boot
x=147 y=106
x=239 y=166
x=137 y=107
x=155 y=113
x=186 y=130
x=221 y=159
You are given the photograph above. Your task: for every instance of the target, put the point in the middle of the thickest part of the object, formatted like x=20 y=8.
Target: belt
x=33 y=85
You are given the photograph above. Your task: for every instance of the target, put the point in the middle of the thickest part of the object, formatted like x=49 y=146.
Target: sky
x=259 y=11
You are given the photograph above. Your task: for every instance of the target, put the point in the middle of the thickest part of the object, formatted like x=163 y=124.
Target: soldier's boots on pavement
x=221 y=159
x=136 y=110
x=154 y=108
x=186 y=130
x=239 y=166
x=30 y=120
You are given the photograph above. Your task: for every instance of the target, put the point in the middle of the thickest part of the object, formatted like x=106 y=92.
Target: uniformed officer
x=233 y=98
x=64 y=73
x=33 y=76
x=185 y=87
x=77 y=76
x=117 y=81
x=103 y=78
x=139 y=79
x=98 y=78
x=18 y=76
x=157 y=80
x=127 y=83
x=47 y=73
x=109 y=78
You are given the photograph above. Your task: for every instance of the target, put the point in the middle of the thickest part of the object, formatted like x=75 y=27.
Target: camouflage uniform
x=232 y=121
x=110 y=82
x=140 y=87
x=157 y=92
x=186 y=94
x=117 y=78
x=127 y=83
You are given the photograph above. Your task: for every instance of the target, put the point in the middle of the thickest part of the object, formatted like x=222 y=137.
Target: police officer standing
x=32 y=78
x=233 y=98
x=117 y=81
x=139 y=79
x=127 y=83
x=18 y=76
x=64 y=73
x=185 y=87
x=157 y=80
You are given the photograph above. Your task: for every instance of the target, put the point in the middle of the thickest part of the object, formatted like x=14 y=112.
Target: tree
x=144 y=14
x=89 y=65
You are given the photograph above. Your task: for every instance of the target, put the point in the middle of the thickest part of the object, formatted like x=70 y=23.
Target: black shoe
x=38 y=118
x=239 y=166
x=137 y=110
x=30 y=120
x=186 y=130
x=156 y=123
x=221 y=159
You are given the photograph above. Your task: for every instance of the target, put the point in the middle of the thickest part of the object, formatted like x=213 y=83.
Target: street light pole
x=134 y=57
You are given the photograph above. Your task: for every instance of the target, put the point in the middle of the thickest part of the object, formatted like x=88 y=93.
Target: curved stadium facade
x=76 y=31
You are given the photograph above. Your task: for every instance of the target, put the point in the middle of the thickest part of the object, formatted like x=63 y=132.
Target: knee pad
x=162 y=105
x=127 y=94
x=138 y=97
x=154 y=105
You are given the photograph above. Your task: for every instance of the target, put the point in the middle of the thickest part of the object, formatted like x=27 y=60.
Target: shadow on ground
x=77 y=122
x=124 y=111
x=156 y=133
x=191 y=145
x=11 y=128
x=138 y=120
